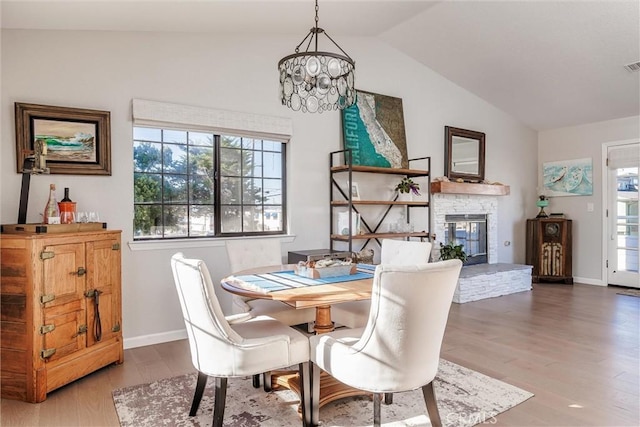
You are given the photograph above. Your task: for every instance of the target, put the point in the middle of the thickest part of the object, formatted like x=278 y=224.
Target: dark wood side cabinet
x=549 y=249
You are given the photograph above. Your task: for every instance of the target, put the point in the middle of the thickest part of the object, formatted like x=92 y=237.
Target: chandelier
x=316 y=81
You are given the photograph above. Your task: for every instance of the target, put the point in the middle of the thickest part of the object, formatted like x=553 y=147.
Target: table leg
x=323 y=323
x=330 y=388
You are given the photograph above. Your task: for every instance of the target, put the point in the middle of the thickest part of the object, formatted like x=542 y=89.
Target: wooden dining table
x=320 y=296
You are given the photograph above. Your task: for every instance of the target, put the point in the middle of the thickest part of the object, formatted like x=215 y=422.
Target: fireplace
x=470 y=231
x=474 y=206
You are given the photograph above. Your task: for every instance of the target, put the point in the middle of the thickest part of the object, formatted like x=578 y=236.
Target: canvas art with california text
x=374 y=130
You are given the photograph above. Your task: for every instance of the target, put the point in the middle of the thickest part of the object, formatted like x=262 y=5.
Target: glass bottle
x=51 y=210
x=67 y=209
x=66 y=195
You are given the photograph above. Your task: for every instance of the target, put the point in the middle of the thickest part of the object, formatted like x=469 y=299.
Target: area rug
x=465 y=398
x=629 y=292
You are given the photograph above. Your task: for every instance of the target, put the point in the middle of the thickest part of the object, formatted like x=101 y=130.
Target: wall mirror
x=464 y=154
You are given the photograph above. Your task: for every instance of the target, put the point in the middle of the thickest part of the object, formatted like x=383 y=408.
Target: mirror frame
x=449 y=133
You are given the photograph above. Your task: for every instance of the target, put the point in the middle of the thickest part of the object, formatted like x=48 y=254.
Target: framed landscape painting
x=373 y=128
x=77 y=141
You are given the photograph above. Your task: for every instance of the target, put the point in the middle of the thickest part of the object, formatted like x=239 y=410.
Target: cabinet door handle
x=80 y=272
x=82 y=329
x=47 y=352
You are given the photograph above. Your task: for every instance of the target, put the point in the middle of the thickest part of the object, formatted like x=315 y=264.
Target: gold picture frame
x=77 y=140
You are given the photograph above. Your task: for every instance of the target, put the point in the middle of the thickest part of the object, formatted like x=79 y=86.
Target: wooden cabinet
x=61 y=309
x=342 y=198
x=549 y=249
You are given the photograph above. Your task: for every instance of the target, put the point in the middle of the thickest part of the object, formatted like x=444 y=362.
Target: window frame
x=217 y=176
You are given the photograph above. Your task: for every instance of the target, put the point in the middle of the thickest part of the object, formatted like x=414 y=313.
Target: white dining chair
x=245 y=254
x=399 y=348
x=251 y=253
x=234 y=346
x=354 y=314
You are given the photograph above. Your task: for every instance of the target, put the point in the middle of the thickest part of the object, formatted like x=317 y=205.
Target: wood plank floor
x=576 y=347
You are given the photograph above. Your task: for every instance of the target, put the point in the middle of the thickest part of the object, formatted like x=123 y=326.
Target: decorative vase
x=405 y=197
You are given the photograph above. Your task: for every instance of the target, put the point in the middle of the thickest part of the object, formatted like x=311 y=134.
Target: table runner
x=282 y=280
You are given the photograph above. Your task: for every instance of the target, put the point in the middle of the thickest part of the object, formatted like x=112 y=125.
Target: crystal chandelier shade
x=315 y=81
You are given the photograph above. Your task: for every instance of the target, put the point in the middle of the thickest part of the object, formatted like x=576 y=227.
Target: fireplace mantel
x=469 y=188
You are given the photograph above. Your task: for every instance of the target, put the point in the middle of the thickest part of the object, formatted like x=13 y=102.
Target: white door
x=622 y=210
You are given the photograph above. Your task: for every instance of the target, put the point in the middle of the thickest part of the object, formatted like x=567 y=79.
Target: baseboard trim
x=587 y=281
x=160 y=338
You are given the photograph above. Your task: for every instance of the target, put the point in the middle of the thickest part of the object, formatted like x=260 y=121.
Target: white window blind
x=624 y=156
x=167 y=115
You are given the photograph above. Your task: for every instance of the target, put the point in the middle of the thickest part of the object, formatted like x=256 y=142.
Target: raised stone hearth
x=482 y=281
x=478 y=281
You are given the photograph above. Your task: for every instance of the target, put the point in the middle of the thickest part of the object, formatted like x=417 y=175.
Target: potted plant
x=452 y=251
x=408 y=185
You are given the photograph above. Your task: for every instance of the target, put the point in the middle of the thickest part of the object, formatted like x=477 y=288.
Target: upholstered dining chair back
x=245 y=254
x=235 y=346
x=354 y=314
x=409 y=310
x=250 y=253
x=399 y=348
x=403 y=252
x=207 y=329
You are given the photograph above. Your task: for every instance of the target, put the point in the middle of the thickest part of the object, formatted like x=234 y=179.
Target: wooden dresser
x=549 y=249
x=53 y=329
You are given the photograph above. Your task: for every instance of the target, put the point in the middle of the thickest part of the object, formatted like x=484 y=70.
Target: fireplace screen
x=470 y=231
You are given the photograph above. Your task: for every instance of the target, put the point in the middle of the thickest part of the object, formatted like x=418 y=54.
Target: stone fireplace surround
x=451 y=204
x=480 y=281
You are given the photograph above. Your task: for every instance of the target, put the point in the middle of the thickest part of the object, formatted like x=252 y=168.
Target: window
x=190 y=184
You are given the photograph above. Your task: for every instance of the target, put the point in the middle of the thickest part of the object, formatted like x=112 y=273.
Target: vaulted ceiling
x=550 y=64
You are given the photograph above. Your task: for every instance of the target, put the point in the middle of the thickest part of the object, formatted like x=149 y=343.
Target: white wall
x=578 y=142
x=105 y=70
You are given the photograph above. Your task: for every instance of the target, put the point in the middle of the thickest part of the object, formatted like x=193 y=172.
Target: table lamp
x=542 y=203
